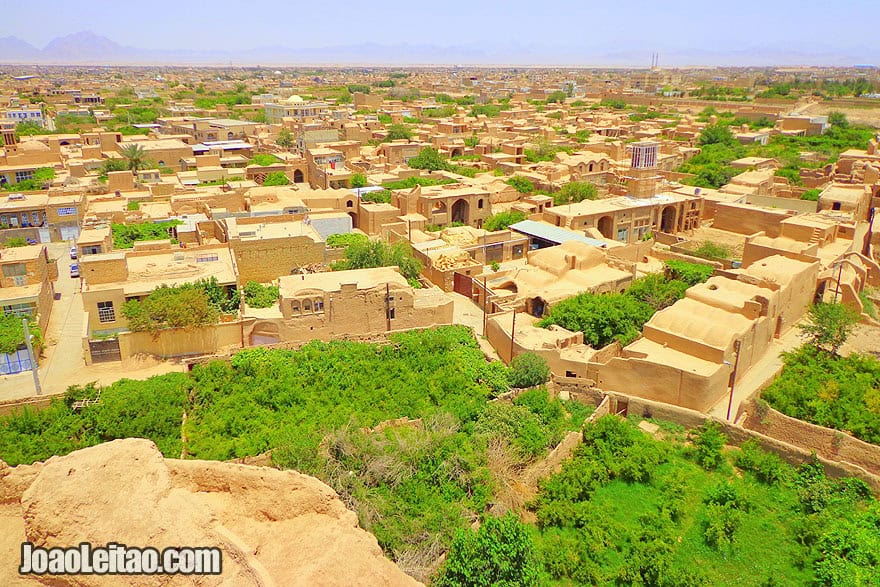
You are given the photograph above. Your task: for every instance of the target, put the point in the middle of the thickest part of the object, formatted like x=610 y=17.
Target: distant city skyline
x=749 y=32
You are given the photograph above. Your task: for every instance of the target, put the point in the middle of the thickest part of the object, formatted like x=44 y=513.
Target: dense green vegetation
x=503 y=220
x=42 y=178
x=528 y=370
x=719 y=147
x=411 y=182
x=257 y=295
x=12 y=333
x=377 y=197
x=343 y=240
x=364 y=254
x=521 y=184
x=276 y=178
x=264 y=159
x=182 y=306
x=605 y=318
x=412 y=486
x=631 y=510
x=125 y=235
x=574 y=192
x=431 y=160
x=830 y=390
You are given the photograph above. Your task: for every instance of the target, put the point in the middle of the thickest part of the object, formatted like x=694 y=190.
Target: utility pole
x=736 y=346
x=30 y=350
x=512 y=335
x=839 y=277
x=485 y=301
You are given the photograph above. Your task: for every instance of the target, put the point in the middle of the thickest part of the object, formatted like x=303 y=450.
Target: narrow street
x=62 y=363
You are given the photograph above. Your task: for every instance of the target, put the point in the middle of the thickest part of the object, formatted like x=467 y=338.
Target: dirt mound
x=274 y=527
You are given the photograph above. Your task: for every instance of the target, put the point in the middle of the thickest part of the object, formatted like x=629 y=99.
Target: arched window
x=294 y=306
x=349 y=204
x=307 y=306
x=319 y=305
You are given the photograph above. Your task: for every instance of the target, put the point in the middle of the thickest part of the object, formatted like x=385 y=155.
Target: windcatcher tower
x=642 y=179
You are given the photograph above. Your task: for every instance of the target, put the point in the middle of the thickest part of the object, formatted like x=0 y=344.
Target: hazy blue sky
x=815 y=25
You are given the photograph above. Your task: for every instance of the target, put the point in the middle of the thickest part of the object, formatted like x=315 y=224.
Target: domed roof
x=33 y=147
x=294 y=99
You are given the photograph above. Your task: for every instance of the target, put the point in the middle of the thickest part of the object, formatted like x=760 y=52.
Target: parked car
x=73 y=252
x=74 y=270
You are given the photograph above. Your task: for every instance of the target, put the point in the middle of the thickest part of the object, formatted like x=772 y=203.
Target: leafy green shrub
x=257 y=295
x=709 y=441
x=603 y=318
x=344 y=240
x=365 y=255
x=574 y=192
x=503 y=220
x=656 y=290
x=12 y=333
x=125 y=235
x=377 y=197
x=276 y=178
x=411 y=182
x=828 y=325
x=15 y=242
x=528 y=370
x=521 y=184
x=711 y=250
x=264 y=159
x=829 y=390
x=501 y=552
x=767 y=467
x=690 y=273
x=169 y=307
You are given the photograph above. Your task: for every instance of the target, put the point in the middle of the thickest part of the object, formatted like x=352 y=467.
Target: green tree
x=528 y=370
x=276 y=178
x=429 y=159
x=838 y=119
x=285 y=139
x=169 y=307
x=368 y=254
x=828 y=325
x=709 y=441
x=521 y=184
x=603 y=318
x=500 y=553
x=135 y=155
x=257 y=295
x=574 y=192
x=558 y=97
x=397 y=132
x=717 y=134
x=503 y=220
x=358 y=180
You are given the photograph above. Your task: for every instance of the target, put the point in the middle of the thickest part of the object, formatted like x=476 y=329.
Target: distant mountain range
x=88 y=48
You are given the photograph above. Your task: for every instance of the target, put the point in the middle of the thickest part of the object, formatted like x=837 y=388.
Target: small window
x=391 y=313
x=480 y=203
x=307 y=306
x=835 y=206
x=294 y=306
x=319 y=306
x=14 y=269
x=106 y=312
x=349 y=204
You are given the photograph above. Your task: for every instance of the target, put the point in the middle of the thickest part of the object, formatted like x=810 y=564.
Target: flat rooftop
x=553 y=234
x=292 y=285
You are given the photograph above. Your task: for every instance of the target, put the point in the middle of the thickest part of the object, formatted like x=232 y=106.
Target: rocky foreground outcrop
x=274 y=527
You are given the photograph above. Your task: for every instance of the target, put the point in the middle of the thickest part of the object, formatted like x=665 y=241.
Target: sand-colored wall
x=747 y=220
x=178 y=342
x=827 y=442
x=662 y=383
x=264 y=260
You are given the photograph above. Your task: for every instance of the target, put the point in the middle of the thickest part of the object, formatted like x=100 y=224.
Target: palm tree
x=136 y=156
